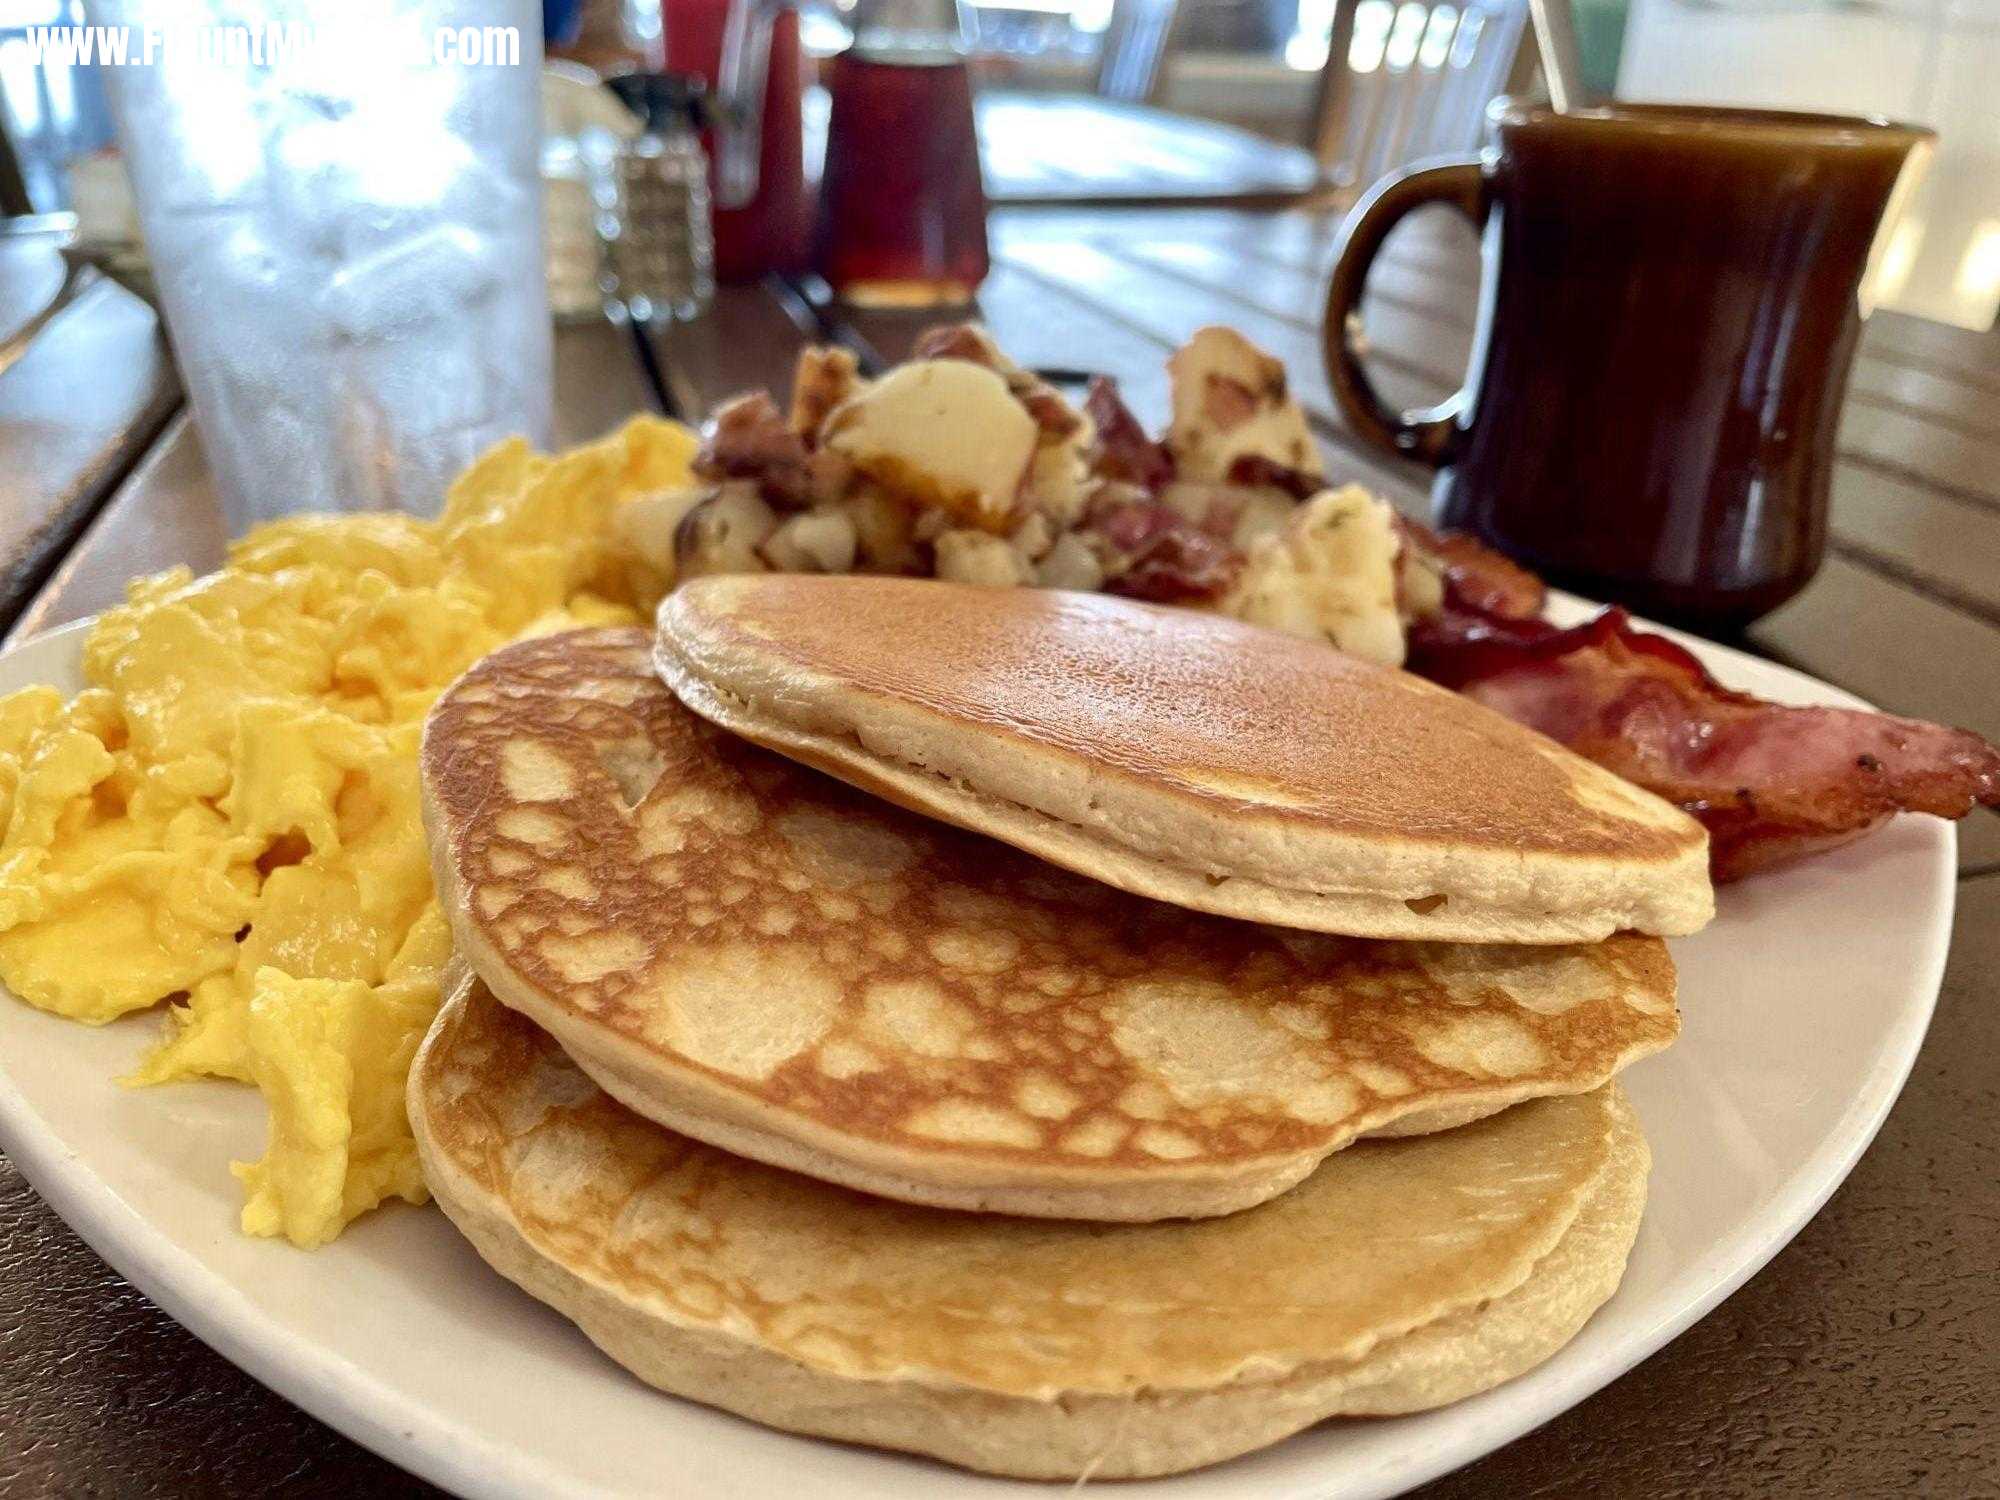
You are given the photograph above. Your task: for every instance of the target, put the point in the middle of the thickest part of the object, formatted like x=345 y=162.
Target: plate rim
x=446 y=1451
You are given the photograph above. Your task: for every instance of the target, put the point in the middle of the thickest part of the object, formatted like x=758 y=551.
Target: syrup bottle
x=902 y=212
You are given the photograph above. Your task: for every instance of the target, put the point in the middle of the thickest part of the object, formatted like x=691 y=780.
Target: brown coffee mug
x=1668 y=310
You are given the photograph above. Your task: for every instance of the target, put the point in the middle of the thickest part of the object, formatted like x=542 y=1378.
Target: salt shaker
x=659 y=240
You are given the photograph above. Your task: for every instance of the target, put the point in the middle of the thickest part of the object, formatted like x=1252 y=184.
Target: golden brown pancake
x=1187 y=757
x=1401 y=1275
x=759 y=956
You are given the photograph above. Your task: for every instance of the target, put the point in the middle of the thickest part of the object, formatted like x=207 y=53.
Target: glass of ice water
x=341 y=199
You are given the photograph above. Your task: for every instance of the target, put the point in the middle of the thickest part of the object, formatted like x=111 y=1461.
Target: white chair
x=1407 y=79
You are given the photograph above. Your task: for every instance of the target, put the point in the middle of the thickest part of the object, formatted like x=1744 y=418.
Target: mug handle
x=1431 y=435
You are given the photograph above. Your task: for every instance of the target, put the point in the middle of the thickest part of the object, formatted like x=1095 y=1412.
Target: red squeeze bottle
x=771 y=228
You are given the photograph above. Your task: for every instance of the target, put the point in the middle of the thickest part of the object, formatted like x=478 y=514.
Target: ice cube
x=434 y=277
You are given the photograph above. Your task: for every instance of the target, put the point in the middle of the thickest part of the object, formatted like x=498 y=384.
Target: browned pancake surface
x=855 y=973
x=1382 y=1240
x=1255 y=723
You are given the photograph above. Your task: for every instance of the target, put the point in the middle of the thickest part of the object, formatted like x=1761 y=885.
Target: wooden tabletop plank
x=1926 y=451
x=31 y=272
x=1423 y=337
x=1078 y=147
x=1042 y=326
x=744 y=342
x=1979 y=844
x=1418 y=356
x=1946 y=545
x=76 y=410
x=599 y=381
x=1287 y=237
x=1973 y=358
x=1901 y=649
x=1940 y=398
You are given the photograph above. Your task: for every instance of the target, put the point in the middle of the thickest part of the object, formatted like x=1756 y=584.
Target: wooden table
x=1864 y=1360
x=1065 y=148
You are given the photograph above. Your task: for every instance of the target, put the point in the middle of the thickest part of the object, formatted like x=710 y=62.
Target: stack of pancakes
x=945 y=1018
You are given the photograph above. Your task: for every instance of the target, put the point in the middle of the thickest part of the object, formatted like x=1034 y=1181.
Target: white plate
x=1805 y=1003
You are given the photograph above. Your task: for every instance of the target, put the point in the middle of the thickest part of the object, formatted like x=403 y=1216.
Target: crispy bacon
x=1264 y=473
x=967 y=341
x=1168 y=558
x=1055 y=417
x=1474 y=575
x=1219 y=517
x=750 y=439
x=1771 y=783
x=824 y=376
x=1228 y=404
x=1124 y=452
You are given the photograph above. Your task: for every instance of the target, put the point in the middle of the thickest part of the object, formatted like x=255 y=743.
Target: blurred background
x=1356 y=87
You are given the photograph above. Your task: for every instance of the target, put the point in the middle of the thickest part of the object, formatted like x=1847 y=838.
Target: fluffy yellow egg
x=227 y=818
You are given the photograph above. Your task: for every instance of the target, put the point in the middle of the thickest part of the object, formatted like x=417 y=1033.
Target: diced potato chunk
x=1330 y=574
x=884 y=528
x=1058 y=479
x=723 y=533
x=1071 y=565
x=1422 y=594
x=826 y=375
x=1033 y=537
x=942 y=433
x=644 y=528
x=967 y=556
x=1230 y=399
x=1242 y=514
x=820 y=541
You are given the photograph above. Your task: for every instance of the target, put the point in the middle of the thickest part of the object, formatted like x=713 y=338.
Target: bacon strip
x=1169 y=558
x=1476 y=577
x=1228 y=404
x=1264 y=473
x=1124 y=452
x=1772 y=783
x=750 y=439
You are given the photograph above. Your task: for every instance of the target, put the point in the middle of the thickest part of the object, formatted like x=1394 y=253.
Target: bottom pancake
x=1399 y=1276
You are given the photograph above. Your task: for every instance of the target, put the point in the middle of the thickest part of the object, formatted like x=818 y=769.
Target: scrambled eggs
x=227 y=817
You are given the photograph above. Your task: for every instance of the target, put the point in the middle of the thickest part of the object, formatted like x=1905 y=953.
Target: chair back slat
x=1412 y=81
x=1136 y=45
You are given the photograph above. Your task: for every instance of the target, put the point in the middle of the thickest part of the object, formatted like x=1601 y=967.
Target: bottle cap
x=664 y=100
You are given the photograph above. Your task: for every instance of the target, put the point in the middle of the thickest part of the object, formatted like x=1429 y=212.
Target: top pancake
x=1188 y=757
x=761 y=957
